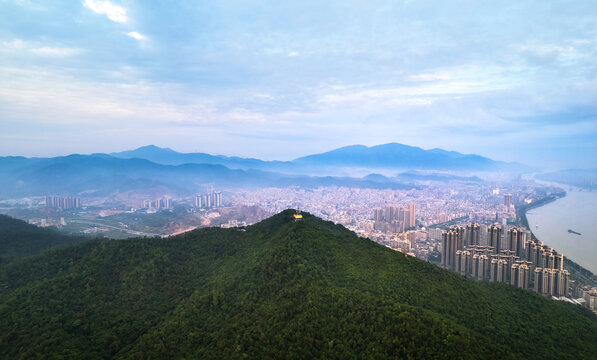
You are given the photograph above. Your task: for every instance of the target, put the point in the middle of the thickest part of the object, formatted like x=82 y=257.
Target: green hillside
x=17 y=238
x=280 y=289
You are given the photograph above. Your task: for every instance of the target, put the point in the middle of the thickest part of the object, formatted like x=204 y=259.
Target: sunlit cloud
x=135 y=35
x=114 y=12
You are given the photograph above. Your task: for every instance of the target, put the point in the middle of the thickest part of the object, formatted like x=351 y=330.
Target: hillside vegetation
x=17 y=238
x=278 y=289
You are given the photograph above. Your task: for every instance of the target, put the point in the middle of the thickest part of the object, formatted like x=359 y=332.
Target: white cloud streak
x=18 y=46
x=135 y=35
x=114 y=12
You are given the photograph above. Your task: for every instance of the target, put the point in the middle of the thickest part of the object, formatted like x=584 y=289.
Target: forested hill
x=17 y=238
x=279 y=289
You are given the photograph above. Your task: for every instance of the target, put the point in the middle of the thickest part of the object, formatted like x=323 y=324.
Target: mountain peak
x=152 y=147
x=399 y=156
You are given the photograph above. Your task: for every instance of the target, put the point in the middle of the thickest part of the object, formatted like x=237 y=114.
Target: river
x=576 y=211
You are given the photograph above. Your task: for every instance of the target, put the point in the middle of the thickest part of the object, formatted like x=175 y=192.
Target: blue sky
x=512 y=80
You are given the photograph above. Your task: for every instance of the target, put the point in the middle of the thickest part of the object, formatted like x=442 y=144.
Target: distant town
x=469 y=228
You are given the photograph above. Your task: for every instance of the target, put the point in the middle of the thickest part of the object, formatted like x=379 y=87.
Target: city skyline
x=509 y=81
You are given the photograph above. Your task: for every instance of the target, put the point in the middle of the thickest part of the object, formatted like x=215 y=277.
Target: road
x=128 y=231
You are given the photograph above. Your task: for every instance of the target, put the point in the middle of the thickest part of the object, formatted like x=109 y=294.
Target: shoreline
x=521 y=211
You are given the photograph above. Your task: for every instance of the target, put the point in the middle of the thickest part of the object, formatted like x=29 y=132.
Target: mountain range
x=151 y=167
x=391 y=156
x=278 y=289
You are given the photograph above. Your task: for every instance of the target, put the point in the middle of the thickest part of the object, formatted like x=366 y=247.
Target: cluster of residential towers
x=515 y=258
x=64 y=203
x=395 y=219
x=209 y=200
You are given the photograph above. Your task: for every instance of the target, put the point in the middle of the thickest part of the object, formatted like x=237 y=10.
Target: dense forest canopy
x=277 y=289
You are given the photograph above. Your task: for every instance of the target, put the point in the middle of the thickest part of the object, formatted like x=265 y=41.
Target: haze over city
x=513 y=81
x=234 y=179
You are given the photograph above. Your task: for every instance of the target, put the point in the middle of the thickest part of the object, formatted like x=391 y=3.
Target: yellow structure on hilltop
x=298 y=216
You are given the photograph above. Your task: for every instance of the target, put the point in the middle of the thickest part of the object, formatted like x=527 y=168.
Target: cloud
x=429 y=77
x=19 y=46
x=54 y=51
x=135 y=35
x=114 y=12
x=66 y=100
x=395 y=73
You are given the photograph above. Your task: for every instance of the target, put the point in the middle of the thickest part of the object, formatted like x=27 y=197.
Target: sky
x=511 y=80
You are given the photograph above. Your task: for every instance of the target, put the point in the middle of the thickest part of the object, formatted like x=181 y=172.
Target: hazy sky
x=512 y=80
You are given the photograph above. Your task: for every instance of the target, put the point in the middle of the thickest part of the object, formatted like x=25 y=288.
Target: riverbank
x=521 y=211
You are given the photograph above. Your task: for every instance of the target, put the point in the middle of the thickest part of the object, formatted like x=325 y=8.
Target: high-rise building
x=538 y=280
x=519 y=275
x=482 y=268
x=549 y=260
x=463 y=264
x=483 y=235
x=523 y=276
x=450 y=241
x=496 y=270
x=459 y=230
x=517 y=240
x=514 y=274
x=411 y=236
x=494 y=236
x=472 y=235
x=390 y=213
x=551 y=281
x=533 y=249
x=411 y=213
x=217 y=199
x=446 y=248
x=508 y=200
x=558 y=261
x=401 y=215
x=378 y=215
x=562 y=283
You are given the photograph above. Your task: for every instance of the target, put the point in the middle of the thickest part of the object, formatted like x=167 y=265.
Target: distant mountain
x=392 y=156
x=161 y=168
x=102 y=175
x=279 y=289
x=398 y=156
x=168 y=156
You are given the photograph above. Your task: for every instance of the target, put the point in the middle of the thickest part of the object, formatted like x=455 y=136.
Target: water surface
x=576 y=211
